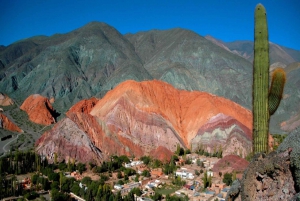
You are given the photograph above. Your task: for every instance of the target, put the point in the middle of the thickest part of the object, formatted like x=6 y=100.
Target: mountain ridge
x=93 y=59
x=138 y=118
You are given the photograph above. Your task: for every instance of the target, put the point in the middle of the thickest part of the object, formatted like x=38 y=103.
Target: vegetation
x=227 y=179
x=216 y=152
x=278 y=139
x=264 y=104
x=207 y=180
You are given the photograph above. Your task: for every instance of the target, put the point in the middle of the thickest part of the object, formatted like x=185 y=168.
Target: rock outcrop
x=5 y=100
x=39 y=109
x=275 y=176
x=83 y=106
x=68 y=141
x=5 y=123
x=150 y=117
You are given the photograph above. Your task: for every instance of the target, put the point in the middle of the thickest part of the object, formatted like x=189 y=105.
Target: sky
x=227 y=20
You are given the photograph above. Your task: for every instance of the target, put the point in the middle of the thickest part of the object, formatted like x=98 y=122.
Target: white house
x=183 y=173
x=118 y=186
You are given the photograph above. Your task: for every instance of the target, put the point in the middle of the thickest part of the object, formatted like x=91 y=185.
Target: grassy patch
x=167 y=190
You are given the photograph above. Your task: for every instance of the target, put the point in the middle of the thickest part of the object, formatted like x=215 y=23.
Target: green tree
x=146 y=173
x=227 y=179
x=86 y=180
x=207 y=180
x=146 y=159
x=58 y=196
x=81 y=167
x=179 y=150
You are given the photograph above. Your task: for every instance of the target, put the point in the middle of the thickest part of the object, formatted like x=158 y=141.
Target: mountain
x=139 y=118
x=39 y=110
x=189 y=61
x=278 y=54
x=92 y=60
x=69 y=67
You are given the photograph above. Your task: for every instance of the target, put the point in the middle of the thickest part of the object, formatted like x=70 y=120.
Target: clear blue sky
x=227 y=20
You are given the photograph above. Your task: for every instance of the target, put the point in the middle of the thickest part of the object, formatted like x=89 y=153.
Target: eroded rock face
x=83 y=106
x=39 y=109
x=222 y=130
x=68 y=141
x=5 y=100
x=155 y=113
x=7 y=124
x=152 y=118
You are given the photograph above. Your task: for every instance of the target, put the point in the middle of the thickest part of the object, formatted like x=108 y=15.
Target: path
x=4 y=147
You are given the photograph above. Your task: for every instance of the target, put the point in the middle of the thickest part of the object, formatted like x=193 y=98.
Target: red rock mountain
x=39 y=109
x=146 y=118
x=7 y=124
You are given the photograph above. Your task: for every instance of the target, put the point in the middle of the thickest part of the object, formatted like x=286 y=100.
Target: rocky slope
x=5 y=100
x=39 y=110
x=139 y=118
x=275 y=176
x=7 y=124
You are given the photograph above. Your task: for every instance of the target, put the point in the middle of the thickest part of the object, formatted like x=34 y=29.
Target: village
x=193 y=178
x=191 y=174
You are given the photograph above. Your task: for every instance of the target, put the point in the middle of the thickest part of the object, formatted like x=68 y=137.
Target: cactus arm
x=260 y=82
x=276 y=90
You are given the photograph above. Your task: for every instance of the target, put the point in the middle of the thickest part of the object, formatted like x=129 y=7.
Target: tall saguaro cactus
x=263 y=107
x=260 y=81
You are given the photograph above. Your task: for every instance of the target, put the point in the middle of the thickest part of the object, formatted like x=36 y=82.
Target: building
x=156 y=173
x=184 y=174
x=126 y=188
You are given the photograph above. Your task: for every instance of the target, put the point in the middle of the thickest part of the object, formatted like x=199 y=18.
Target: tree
x=81 y=167
x=34 y=179
x=58 y=196
x=62 y=166
x=55 y=158
x=179 y=150
x=54 y=185
x=75 y=188
x=146 y=173
x=53 y=176
x=227 y=179
x=146 y=159
x=86 y=180
x=157 y=196
x=207 y=180
x=233 y=176
x=187 y=151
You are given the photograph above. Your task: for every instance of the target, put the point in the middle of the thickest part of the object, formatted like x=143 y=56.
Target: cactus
x=263 y=107
x=276 y=90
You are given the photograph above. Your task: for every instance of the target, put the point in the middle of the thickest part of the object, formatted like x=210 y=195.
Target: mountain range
x=148 y=118
x=94 y=59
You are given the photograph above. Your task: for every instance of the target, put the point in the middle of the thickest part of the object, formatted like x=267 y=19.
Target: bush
x=227 y=179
